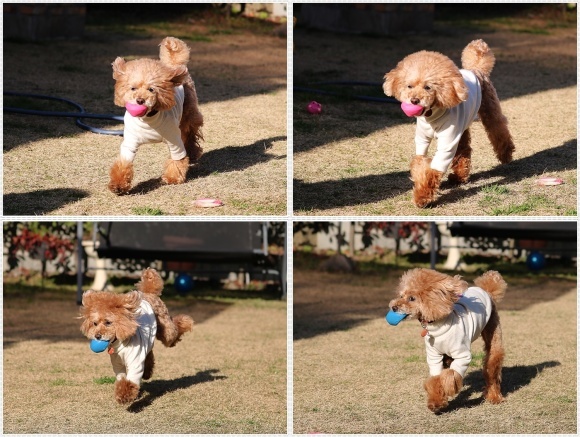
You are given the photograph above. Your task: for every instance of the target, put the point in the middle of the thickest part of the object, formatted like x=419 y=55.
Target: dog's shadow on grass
x=223 y=160
x=155 y=389
x=513 y=379
x=549 y=161
x=40 y=202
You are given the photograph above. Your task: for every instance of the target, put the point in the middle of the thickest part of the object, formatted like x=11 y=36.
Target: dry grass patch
x=51 y=167
x=353 y=373
x=353 y=158
x=228 y=376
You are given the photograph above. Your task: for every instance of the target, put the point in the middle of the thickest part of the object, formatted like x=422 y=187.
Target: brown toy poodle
x=446 y=100
x=453 y=315
x=130 y=323
x=162 y=106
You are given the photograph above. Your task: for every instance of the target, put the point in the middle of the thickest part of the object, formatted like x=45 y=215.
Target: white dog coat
x=163 y=126
x=454 y=335
x=447 y=125
x=128 y=360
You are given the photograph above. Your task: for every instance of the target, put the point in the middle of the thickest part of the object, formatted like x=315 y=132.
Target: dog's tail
x=492 y=282
x=478 y=56
x=150 y=283
x=173 y=52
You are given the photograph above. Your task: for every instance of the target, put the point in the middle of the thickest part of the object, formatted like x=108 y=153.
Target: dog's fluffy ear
x=451 y=90
x=118 y=68
x=391 y=84
x=125 y=322
x=84 y=312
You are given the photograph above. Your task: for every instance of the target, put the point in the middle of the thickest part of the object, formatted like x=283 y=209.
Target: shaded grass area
x=390 y=263
x=227 y=376
x=355 y=374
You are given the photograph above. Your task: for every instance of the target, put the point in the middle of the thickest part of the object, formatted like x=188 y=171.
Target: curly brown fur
x=175 y=171
x=150 y=282
x=426 y=179
x=149 y=366
x=441 y=387
x=169 y=329
x=432 y=80
x=111 y=317
x=125 y=391
x=429 y=296
x=461 y=164
x=152 y=83
x=108 y=316
x=120 y=176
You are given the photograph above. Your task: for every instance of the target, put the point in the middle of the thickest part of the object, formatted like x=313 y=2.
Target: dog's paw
x=125 y=391
x=436 y=397
x=175 y=171
x=493 y=395
x=121 y=175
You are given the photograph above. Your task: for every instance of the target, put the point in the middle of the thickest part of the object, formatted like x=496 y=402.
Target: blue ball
x=536 y=261
x=99 y=345
x=183 y=283
x=394 y=318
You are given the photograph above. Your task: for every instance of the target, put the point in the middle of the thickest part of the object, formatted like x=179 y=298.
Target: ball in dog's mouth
x=99 y=346
x=393 y=317
x=412 y=110
x=135 y=109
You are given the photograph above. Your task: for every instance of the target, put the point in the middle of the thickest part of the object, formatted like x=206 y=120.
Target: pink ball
x=411 y=110
x=314 y=107
x=136 y=110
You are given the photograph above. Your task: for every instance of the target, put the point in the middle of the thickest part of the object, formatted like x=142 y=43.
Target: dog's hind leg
x=493 y=360
x=494 y=121
x=149 y=365
x=461 y=164
x=191 y=123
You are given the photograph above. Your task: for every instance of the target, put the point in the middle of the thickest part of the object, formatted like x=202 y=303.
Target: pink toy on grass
x=411 y=110
x=314 y=107
x=136 y=110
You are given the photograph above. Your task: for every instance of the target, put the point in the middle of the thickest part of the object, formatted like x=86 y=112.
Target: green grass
x=532 y=203
x=145 y=210
x=104 y=380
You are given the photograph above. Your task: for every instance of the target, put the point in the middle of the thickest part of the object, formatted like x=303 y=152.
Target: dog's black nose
x=415 y=101
x=140 y=101
x=395 y=309
x=98 y=336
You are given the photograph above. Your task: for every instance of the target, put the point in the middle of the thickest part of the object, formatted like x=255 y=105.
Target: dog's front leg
x=441 y=387
x=426 y=179
x=175 y=171
x=121 y=176
x=125 y=391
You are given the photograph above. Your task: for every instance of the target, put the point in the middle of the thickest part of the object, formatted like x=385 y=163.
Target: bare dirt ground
x=353 y=373
x=51 y=167
x=227 y=376
x=353 y=158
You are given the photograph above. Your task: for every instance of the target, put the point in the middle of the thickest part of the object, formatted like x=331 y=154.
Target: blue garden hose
x=78 y=115
x=346 y=83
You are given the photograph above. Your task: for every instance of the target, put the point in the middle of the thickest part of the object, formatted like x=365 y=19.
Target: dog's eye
x=409 y=86
x=427 y=88
x=133 y=88
x=411 y=299
x=108 y=323
x=95 y=323
x=151 y=90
